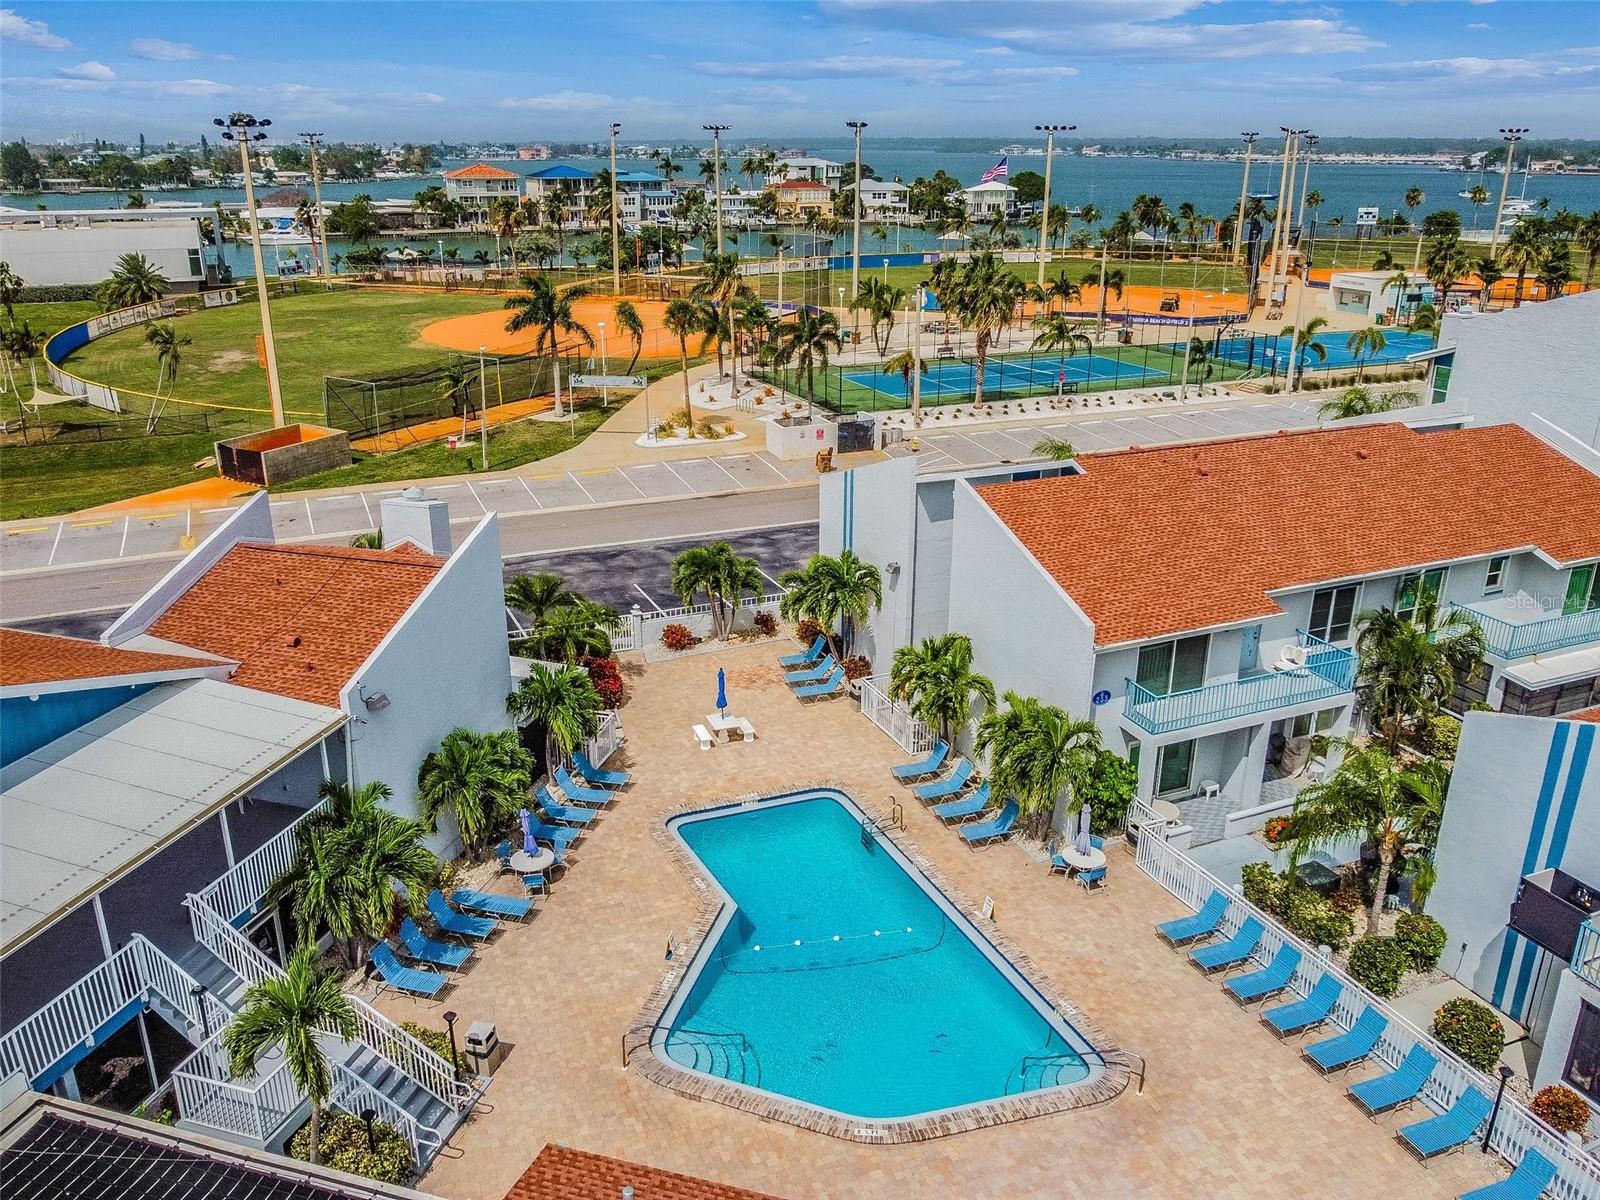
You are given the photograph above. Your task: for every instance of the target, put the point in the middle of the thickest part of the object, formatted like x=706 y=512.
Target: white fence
x=893 y=717
x=647 y=626
x=1516 y=1130
x=241 y=888
x=604 y=743
x=208 y=1093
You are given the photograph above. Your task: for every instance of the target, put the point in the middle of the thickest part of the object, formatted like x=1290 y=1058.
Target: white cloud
x=833 y=66
x=23 y=32
x=997 y=51
x=1478 y=25
x=563 y=101
x=1468 y=67
x=89 y=70
x=161 y=50
x=1034 y=72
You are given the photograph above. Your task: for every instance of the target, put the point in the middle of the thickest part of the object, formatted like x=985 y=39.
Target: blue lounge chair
x=598 y=797
x=1237 y=949
x=1528 y=1182
x=992 y=830
x=1059 y=863
x=1451 y=1129
x=812 y=674
x=927 y=766
x=1267 y=982
x=1093 y=879
x=1201 y=925
x=968 y=806
x=1350 y=1047
x=404 y=979
x=828 y=687
x=513 y=908
x=948 y=786
x=560 y=837
x=1400 y=1086
x=599 y=776
x=564 y=814
x=1300 y=1015
x=806 y=658
x=420 y=948
x=459 y=924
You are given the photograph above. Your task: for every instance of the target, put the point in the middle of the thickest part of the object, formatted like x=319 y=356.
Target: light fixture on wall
x=376 y=702
x=893 y=568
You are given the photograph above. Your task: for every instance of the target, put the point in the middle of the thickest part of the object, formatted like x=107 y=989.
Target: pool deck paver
x=1227 y=1112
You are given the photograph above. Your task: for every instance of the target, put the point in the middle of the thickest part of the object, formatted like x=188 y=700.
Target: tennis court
x=1036 y=377
x=1271 y=354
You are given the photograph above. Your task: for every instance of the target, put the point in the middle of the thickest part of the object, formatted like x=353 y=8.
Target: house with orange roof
x=479 y=185
x=1200 y=602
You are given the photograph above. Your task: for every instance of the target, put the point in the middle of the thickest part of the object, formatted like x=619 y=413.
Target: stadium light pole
x=616 y=250
x=319 y=228
x=483 y=408
x=1300 y=224
x=716 y=132
x=1244 y=191
x=855 y=207
x=243 y=128
x=1049 y=132
x=1511 y=137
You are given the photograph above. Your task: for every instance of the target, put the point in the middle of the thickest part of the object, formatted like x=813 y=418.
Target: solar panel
x=62 y=1159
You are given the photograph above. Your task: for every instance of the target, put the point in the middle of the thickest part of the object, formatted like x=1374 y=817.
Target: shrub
x=607 y=679
x=436 y=1040
x=344 y=1148
x=1471 y=1030
x=1437 y=736
x=1422 y=936
x=53 y=293
x=808 y=630
x=766 y=623
x=1262 y=886
x=1109 y=791
x=1561 y=1108
x=1379 y=963
x=1303 y=912
x=677 y=637
x=856 y=667
x=1276 y=829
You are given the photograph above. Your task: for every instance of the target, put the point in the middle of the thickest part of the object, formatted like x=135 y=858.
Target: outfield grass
x=1173 y=274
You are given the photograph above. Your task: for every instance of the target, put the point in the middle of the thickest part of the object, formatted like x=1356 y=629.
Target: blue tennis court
x=1268 y=353
x=1037 y=376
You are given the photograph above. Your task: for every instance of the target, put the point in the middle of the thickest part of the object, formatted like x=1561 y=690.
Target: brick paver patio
x=1226 y=1113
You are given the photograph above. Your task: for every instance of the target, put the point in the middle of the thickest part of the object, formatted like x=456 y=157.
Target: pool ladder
x=893 y=816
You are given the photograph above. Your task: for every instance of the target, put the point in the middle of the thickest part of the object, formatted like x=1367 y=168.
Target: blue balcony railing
x=1511 y=640
x=1329 y=672
x=1586 y=954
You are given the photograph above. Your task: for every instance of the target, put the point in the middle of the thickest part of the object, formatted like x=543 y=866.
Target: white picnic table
x=1086 y=860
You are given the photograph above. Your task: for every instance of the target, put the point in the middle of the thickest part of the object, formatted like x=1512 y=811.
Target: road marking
x=693 y=491
x=542 y=477
x=769 y=578
x=310 y=524
x=29 y=529
x=477 y=497
x=581 y=488
x=647 y=598
x=366 y=506
x=126 y=523
x=211 y=512
x=529 y=490
x=94 y=524
x=60 y=525
x=188 y=521
x=726 y=472
x=666 y=537
x=284 y=503
x=599 y=471
x=761 y=458
x=631 y=483
x=161 y=517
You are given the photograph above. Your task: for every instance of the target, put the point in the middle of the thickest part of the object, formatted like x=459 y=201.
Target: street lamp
x=616 y=260
x=716 y=132
x=1049 y=132
x=198 y=992
x=319 y=228
x=1305 y=180
x=1285 y=210
x=605 y=366
x=450 y=1024
x=855 y=207
x=1511 y=137
x=243 y=128
x=483 y=408
x=1505 y=1078
x=368 y=1116
x=1244 y=189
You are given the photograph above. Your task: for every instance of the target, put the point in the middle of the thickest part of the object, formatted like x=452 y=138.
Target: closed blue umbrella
x=722 y=690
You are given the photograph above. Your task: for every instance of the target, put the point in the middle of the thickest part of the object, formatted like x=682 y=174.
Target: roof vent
x=1362 y=455
x=311 y=665
x=293 y=641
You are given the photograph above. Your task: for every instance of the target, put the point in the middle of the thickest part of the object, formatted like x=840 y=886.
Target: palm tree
x=751 y=320
x=1361 y=402
x=1063 y=289
x=983 y=296
x=1477 y=196
x=539 y=594
x=903 y=364
x=837 y=593
x=1424 y=319
x=10 y=291
x=1555 y=272
x=1057 y=449
x=1305 y=342
x=1489 y=273
x=1108 y=280
x=721 y=284
x=684 y=318
x=1038 y=754
x=630 y=323
x=666 y=166
x=1364 y=344
x=134 y=280
x=483 y=778
x=169 y=344
x=548 y=308
x=454 y=387
x=572 y=631
x=1448 y=261
x=1523 y=253
x=935 y=680
x=1058 y=332
x=724 y=576
x=504 y=217
x=807 y=342
x=290 y=1010
x=1369 y=795
x=1408 y=667
x=561 y=704
x=1413 y=199
x=1587 y=237
x=372 y=539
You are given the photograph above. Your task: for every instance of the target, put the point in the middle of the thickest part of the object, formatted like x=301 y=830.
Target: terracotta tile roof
x=299 y=620
x=1151 y=543
x=45 y=658
x=1587 y=714
x=481 y=171
x=561 y=1173
x=795 y=184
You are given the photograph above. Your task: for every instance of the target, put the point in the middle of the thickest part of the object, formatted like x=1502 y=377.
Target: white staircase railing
x=894 y=718
x=241 y=888
x=355 y=1095
x=137 y=973
x=208 y=1094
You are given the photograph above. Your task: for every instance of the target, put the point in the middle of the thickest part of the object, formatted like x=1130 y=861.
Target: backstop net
x=794 y=271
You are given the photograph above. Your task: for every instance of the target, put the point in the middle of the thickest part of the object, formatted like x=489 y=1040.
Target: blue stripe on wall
x=848 y=534
x=1519 y=999
x=1576 y=770
x=1502 y=974
x=1530 y=861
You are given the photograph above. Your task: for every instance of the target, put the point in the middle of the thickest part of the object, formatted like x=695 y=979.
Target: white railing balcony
x=209 y=1094
x=1586 y=954
x=1514 y=631
x=240 y=890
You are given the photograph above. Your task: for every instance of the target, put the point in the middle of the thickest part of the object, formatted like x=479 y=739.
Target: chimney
x=413 y=517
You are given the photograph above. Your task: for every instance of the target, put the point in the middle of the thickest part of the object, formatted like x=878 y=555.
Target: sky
x=424 y=72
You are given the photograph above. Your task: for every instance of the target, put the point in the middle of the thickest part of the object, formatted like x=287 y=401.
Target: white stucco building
x=82 y=246
x=984 y=200
x=883 y=198
x=478 y=186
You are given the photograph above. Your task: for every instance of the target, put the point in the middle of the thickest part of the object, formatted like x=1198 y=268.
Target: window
x=1417 y=589
x=1441 y=379
x=1583 y=1056
x=1583 y=590
x=1318 y=722
x=1178 y=666
x=1332 y=610
x=194 y=263
x=1174 y=765
x=1494 y=579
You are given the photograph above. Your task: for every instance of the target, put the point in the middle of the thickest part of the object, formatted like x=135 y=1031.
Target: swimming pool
x=838 y=976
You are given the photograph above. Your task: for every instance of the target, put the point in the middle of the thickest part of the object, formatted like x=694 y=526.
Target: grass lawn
x=1173 y=274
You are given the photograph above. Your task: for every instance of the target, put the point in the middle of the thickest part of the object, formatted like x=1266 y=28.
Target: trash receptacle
x=482 y=1044
x=856 y=433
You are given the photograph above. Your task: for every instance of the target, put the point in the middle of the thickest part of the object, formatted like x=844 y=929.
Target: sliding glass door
x=1179 y=666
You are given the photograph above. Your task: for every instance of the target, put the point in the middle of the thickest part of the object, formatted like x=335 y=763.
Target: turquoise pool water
x=845 y=980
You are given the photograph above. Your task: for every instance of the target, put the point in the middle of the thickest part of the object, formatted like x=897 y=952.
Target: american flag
x=998 y=171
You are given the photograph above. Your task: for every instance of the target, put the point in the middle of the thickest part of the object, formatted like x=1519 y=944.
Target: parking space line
x=529 y=490
x=60 y=525
x=631 y=483
x=693 y=491
x=126 y=522
x=188 y=521
x=477 y=497
x=310 y=523
x=161 y=517
x=211 y=512
x=727 y=472
x=581 y=488
x=762 y=459
x=647 y=598
x=771 y=580
x=366 y=506
x=284 y=503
